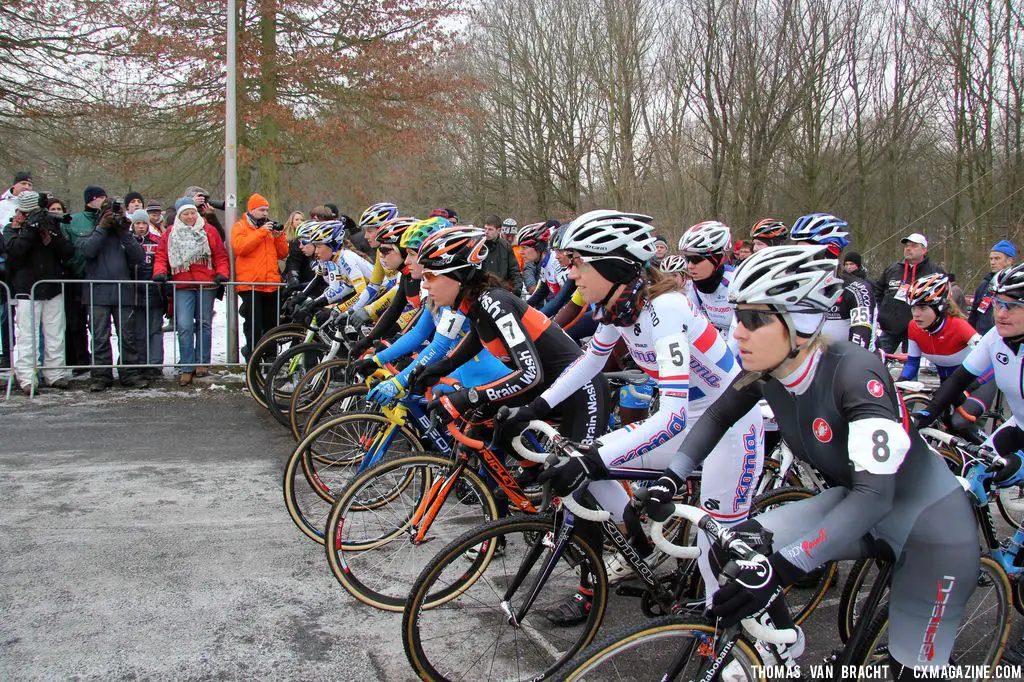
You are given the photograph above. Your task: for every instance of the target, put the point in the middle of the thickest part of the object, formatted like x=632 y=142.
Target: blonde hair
x=291 y=225
x=659 y=283
x=953 y=310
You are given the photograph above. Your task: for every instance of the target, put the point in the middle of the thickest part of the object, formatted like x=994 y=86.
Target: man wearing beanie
x=133 y=202
x=258 y=244
x=853 y=265
x=1001 y=256
x=76 y=296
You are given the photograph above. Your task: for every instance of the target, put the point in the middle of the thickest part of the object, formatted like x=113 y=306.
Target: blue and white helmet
x=821 y=228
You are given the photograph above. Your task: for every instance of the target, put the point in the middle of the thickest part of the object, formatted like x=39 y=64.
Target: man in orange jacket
x=258 y=244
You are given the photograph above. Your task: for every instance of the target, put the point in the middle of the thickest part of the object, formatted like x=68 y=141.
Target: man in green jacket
x=76 y=298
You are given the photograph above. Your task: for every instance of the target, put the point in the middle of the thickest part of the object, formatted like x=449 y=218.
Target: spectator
x=147 y=304
x=660 y=249
x=334 y=212
x=956 y=293
x=201 y=198
x=258 y=244
x=112 y=253
x=892 y=288
x=76 y=302
x=8 y=205
x=193 y=256
x=852 y=265
x=1002 y=256
x=156 y=220
x=133 y=201
x=447 y=213
x=36 y=249
x=9 y=199
x=294 y=220
x=742 y=251
x=500 y=259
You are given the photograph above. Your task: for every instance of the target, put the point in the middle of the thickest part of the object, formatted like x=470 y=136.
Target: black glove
x=219 y=279
x=571 y=473
x=306 y=308
x=757 y=584
x=365 y=367
x=293 y=285
x=922 y=419
x=425 y=376
x=161 y=278
x=443 y=409
x=659 y=504
x=510 y=421
x=360 y=346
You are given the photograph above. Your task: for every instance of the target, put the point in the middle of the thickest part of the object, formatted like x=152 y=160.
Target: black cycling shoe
x=572 y=612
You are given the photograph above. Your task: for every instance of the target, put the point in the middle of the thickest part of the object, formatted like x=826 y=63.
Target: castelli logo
x=822 y=431
x=875 y=388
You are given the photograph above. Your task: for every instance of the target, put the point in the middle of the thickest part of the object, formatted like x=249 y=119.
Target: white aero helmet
x=793 y=279
x=706 y=238
x=672 y=263
x=611 y=233
x=1009 y=282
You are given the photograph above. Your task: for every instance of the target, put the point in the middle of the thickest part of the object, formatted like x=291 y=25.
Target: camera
x=116 y=205
x=276 y=226
x=219 y=205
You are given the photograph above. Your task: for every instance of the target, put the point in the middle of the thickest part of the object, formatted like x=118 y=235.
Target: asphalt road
x=143 y=536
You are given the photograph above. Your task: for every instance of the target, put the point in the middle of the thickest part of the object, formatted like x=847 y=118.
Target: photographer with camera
x=111 y=253
x=37 y=249
x=76 y=296
x=201 y=198
x=258 y=243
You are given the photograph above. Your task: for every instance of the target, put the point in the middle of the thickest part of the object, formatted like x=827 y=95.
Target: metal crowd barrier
x=7 y=329
x=133 y=298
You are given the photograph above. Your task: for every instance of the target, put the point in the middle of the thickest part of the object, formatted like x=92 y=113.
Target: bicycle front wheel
x=266 y=351
x=371 y=533
x=312 y=388
x=483 y=624
x=656 y=649
x=982 y=634
x=283 y=378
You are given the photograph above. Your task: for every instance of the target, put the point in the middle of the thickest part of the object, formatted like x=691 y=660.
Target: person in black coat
x=149 y=301
x=1002 y=256
x=111 y=253
x=893 y=287
x=500 y=259
x=37 y=249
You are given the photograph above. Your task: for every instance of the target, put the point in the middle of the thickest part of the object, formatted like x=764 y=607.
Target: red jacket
x=199 y=272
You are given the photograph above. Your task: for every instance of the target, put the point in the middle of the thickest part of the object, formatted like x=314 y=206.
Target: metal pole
x=231 y=180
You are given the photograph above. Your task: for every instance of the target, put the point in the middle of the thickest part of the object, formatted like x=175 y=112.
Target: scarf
x=188 y=246
x=624 y=310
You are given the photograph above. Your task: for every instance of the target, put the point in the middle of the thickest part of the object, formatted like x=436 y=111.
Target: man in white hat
x=892 y=288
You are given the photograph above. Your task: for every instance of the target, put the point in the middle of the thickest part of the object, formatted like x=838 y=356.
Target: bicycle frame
x=411 y=406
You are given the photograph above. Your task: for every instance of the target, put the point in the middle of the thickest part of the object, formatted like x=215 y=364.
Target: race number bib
x=902 y=292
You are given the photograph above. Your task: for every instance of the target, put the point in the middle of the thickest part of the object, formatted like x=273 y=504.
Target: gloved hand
x=571 y=473
x=659 y=504
x=360 y=346
x=386 y=392
x=425 y=376
x=161 y=277
x=306 y=308
x=338 y=318
x=757 y=584
x=922 y=419
x=293 y=285
x=510 y=421
x=451 y=406
x=364 y=367
x=359 y=317
x=219 y=279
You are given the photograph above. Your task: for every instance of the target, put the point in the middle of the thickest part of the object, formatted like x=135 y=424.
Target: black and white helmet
x=705 y=239
x=612 y=233
x=672 y=263
x=1009 y=282
x=795 y=279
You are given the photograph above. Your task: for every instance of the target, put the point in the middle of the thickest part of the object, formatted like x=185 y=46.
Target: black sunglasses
x=384 y=249
x=753 y=319
x=696 y=259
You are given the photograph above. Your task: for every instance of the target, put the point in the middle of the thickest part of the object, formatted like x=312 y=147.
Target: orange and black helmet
x=932 y=290
x=457 y=252
x=769 y=230
x=392 y=231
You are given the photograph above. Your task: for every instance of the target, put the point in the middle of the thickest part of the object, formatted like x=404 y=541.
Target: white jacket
x=8 y=204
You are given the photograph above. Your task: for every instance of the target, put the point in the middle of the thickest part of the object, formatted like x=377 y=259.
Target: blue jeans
x=193 y=317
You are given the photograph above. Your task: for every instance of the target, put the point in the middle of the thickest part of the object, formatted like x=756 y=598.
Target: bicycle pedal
x=624 y=590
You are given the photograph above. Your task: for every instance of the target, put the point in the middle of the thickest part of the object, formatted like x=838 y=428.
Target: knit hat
x=140 y=216
x=153 y=207
x=22 y=176
x=183 y=203
x=28 y=201
x=853 y=257
x=453 y=217
x=255 y=201
x=192 y=190
x=1006 y=247
x=93 y=192
x=334 y=209
x=133 y=195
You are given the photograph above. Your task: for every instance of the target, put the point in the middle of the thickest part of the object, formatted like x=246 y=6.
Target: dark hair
x=55 y=200
x=334 y=210
x=321 y=212
x=480 y=283
x=492 y=220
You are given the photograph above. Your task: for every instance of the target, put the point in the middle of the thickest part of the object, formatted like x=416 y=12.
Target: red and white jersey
x=947 y=347
x=552 y=272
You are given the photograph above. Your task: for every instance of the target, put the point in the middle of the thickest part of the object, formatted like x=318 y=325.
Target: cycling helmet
x=509 y=226
x=932 y=290
x=821 y=228
x=378 y=214
x=557 y=237
x=672 y=263
x=769 y=230
x=415 y=235
x=796 y=279
x=393 y=231
x=705 y=239
x=458 y=252
x=531 y=234
x=1009 y=282
x=331 y=233
x=611 y=233
x=305 y=229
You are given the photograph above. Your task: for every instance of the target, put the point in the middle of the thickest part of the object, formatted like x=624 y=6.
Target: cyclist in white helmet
x=706 y=247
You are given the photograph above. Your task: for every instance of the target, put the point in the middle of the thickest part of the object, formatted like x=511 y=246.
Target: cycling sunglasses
x=753 y=319
x=1000 y=304
x=696 y=259
x=577 y=260
x=384 y=249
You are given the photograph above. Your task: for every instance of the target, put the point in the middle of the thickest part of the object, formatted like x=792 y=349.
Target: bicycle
x=553 y=557
x=688 y=650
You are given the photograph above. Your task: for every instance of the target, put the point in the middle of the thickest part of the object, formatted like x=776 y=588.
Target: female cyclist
x=837 y=407
x=674 y=269
x=767 y=232
x=344 y=271
x=705 y=246
x=998 y=352
x=671 y=341
x=551 y=276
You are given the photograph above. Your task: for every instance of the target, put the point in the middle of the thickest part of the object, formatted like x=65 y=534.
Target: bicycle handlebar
x=988 y=455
